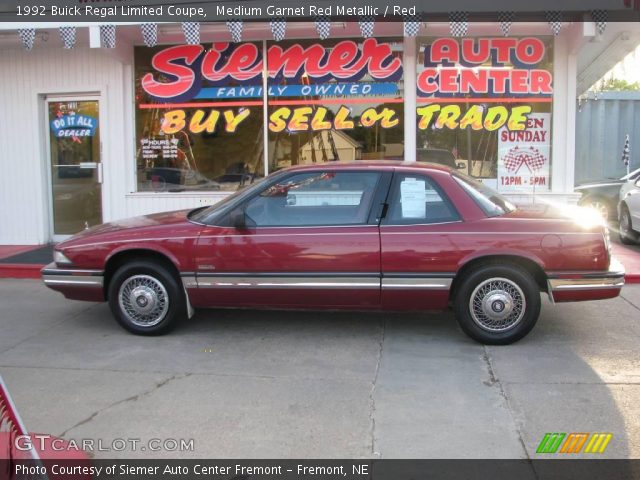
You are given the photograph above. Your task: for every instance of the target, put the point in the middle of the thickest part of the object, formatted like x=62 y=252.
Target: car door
x=418 y=251
x=308 y=240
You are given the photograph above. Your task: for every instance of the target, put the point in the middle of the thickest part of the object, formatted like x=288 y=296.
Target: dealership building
x=108 y=121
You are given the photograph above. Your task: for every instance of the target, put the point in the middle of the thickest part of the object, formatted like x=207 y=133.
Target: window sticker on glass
x=413 y=198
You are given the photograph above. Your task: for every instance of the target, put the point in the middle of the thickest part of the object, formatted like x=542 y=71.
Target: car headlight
x=60 y=258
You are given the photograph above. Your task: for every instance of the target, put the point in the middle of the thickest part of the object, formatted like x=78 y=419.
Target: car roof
x=372 y=164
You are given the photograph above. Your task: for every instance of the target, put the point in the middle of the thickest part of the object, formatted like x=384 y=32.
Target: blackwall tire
x=497 y=304
x=627 y=235
x=145 y=298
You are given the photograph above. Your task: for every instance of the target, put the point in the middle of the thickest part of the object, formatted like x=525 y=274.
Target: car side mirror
x=238 y=219
x=638 y=182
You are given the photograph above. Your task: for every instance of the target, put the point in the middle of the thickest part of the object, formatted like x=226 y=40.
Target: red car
x=387 y=236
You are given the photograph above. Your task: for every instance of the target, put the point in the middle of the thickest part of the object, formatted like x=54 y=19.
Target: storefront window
x=334 y=100
x=199 y=117
x=484 y=105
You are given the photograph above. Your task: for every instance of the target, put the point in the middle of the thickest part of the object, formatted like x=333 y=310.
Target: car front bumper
x=579 y=286
x=75 y=283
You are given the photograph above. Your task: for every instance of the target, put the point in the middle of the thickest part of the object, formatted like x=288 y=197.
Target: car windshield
x=632 y=175
x=204 y=215
x=491 y=202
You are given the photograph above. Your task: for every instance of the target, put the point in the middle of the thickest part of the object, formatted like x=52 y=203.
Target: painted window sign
x=523 y=157
x=74 y=125
x=477 y=95
x=202 y=107
x=227 y=70
x=482 y=72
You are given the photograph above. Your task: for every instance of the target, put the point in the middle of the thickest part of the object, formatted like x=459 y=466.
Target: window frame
x=394 y=188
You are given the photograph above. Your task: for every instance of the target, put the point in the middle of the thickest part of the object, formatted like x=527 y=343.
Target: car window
x=491 y=202
x=315 y=199
x=418 y=200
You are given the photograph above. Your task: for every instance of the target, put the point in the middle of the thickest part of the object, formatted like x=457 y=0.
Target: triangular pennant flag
x=68 y=37
x=278 y=28
x=235 y=28
x=600 y=18
x=459 y=23
x=555 y=21
x=367 y=22
x=412 y=24
x=28 y=37
x=506 y=20
x=149 y=34
x=108 y=36
x=323 y=26
x=191 y=32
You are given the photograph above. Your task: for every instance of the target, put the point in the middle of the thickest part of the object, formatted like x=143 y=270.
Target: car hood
x=143 y=223
x=601 y=183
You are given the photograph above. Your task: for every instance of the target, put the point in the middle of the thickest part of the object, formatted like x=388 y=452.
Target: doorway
x=75 y=168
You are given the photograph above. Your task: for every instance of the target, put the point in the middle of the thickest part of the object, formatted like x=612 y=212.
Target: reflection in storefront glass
x=336 y=100
x=209 y=138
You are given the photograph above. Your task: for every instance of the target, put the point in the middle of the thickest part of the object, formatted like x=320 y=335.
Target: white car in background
x=629 y=212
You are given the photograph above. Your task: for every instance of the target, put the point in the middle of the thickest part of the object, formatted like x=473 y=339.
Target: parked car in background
x=603 y=195
x=629 y=212
x=372 y=235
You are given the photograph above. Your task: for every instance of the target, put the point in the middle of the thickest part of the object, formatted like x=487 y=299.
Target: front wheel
x=497 y=304
x=145 y=298
x=627 y=235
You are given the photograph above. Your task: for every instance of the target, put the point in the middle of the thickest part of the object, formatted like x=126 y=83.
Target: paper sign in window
x=413 y=198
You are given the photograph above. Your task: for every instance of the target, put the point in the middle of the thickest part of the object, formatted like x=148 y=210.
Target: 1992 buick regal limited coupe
x=386 y=236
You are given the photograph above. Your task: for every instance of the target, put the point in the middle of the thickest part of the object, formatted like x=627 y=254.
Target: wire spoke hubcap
x=143 y=300
x=497 y=304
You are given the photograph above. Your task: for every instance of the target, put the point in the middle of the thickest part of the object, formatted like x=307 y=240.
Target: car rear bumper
x=75 y=283
x=580 y=286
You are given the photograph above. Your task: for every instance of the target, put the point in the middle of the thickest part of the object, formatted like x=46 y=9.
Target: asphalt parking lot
x=249 y=384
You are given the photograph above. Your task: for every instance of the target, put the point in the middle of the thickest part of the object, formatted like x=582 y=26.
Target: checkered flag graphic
x=278 y=28
x=459 y=23
x=555 y=21
x=191 y=32
x=626 y=151
x=412 y=24
x=108 y=36
x=506 y=20
x=600 y=17
x=149 y=34
x=235 y=28
x=323 y=26
x=367 y=22
x=28 y=37
x=68 y=37
x=531 y=158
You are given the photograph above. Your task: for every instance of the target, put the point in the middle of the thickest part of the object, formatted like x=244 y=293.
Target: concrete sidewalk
x=247 y=384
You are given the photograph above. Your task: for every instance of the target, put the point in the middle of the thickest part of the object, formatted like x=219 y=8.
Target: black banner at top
x=109 y=11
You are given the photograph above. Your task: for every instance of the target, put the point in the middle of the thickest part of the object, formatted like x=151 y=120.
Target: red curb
x=20 y=270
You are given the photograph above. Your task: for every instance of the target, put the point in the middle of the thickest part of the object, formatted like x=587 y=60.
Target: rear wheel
x=145 y=298
x=497 y=304
x=627 y=235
